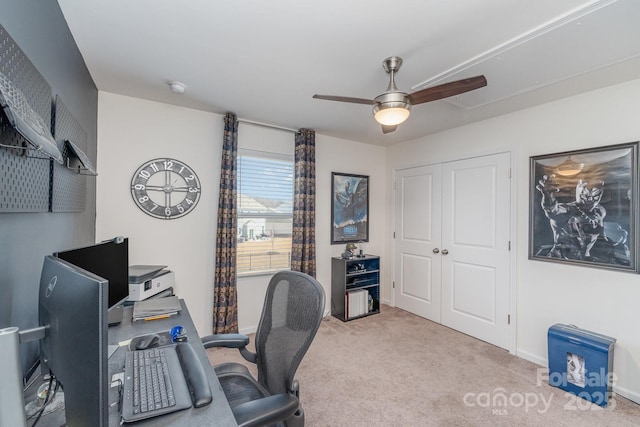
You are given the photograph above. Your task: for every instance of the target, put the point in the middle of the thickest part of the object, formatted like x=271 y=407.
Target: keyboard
x=154 y=384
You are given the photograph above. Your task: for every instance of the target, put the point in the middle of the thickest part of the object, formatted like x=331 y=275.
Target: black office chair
x=292 y=312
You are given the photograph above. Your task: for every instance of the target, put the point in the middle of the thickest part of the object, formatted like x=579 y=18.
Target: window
x=265 y=211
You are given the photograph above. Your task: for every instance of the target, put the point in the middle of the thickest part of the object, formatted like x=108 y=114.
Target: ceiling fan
x=394 y=106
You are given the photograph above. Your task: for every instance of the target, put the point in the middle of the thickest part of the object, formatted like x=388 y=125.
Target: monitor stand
x=115 y=315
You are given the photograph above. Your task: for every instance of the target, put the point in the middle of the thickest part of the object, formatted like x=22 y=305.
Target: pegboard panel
x=25 y=177
x=69 y=188
x=24 y=181
x=20 y=71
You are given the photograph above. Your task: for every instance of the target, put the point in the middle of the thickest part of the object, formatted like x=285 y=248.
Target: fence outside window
x=251 y=262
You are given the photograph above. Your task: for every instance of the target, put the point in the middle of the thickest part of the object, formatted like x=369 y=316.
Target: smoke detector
x=177 y=87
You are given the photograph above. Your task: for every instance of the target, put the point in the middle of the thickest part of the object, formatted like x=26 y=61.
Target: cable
x=120 y=389
x=47 y=399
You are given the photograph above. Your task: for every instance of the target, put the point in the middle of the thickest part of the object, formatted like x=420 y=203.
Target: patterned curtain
x=225 y=303
x=303 y=251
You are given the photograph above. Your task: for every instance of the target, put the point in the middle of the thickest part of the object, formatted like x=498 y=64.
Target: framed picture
x=349 y=208
x=584 y=207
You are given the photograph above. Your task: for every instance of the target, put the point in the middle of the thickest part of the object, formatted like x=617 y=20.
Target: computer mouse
x=148 y=341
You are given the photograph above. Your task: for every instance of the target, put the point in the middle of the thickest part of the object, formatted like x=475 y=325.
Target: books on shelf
x=357 y=303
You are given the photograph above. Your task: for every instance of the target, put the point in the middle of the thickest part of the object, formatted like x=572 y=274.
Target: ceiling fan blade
x=388 y=128
x=446 y=90
x=345 y=99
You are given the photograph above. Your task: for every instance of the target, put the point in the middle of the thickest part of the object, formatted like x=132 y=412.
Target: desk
x=217 y=413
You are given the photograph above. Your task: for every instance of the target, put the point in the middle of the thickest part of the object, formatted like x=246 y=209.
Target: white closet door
x=417 y=238
x=475 y=243
x=451 y=256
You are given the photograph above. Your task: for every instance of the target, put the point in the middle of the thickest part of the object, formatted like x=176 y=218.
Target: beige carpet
x=397 y=369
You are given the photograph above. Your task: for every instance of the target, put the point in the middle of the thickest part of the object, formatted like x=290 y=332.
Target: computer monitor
x=110 y=260
x=73 y=308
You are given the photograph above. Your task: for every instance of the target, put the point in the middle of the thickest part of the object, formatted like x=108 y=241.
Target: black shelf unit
x=355 y=274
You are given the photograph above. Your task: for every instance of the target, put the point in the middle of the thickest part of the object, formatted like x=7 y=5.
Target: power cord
x=48 y=398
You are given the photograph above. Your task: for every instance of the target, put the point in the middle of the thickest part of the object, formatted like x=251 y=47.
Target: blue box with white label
x=581 y=362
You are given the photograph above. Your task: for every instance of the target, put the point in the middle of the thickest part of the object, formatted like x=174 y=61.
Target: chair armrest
x=239 y=341
x=225 y=340
x=268 y=410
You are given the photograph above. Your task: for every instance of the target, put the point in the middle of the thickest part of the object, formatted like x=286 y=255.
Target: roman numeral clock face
x=165 y=188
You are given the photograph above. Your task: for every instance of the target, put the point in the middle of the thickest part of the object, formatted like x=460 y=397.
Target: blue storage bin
x=581 y=362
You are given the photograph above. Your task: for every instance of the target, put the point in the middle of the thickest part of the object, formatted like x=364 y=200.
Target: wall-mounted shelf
x=69 y=184
x=26 y=121
x=78 y=161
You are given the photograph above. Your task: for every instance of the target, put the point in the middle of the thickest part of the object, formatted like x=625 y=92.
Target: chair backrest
x=292 y=312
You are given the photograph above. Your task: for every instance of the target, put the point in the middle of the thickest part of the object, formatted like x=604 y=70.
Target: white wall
x=132 y=131
x=600 y=300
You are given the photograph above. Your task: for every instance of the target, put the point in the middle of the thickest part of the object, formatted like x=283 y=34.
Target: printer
x=146 y=281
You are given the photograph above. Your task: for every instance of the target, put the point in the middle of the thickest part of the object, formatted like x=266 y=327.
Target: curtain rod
x=267 y=125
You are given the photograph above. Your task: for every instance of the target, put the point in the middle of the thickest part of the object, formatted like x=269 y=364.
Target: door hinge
x=509 y=244
x=508 y=319
x=509 y=172
x=394 y=285
x=394 y=234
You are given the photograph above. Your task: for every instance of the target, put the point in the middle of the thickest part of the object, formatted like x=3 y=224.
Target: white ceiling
x=264 y=60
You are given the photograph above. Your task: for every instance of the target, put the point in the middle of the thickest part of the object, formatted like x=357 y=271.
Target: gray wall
x=39 y=28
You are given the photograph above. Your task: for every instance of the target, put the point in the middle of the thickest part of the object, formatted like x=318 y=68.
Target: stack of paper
x=158 y=308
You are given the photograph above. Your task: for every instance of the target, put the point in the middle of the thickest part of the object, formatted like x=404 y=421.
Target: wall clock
x=165 y=188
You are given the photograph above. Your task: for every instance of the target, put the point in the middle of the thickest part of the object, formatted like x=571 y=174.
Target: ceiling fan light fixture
x=391 y=108
x=569 y=167
x=391 y=116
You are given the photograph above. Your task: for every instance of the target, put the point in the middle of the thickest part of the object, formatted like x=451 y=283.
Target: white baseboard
x=628 y=394
x=249 y=330
x=531 y=357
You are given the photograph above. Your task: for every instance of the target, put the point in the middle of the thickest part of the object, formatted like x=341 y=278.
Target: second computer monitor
x=109 y=260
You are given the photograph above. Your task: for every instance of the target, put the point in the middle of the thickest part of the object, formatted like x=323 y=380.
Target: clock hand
x=185 y=189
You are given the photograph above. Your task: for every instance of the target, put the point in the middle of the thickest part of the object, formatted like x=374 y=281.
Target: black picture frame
x=349 y=208
x=584 y=207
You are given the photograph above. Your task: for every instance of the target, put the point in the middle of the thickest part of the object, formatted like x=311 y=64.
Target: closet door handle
x=445 y=252
x=436 y=250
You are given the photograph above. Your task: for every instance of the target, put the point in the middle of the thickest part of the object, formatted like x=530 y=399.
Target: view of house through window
x=265 y=208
